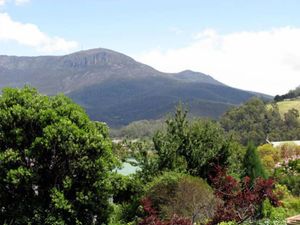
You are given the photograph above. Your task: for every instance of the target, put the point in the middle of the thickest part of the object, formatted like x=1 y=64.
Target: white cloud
x=266 y=61
x=21 y=2
x=29 y=35
x=17 y=2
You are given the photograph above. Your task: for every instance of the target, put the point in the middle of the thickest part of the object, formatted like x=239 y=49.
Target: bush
x=292 y=206
x=183 y=195
x=241 y=201
x=269 y=155
x=289 y=175
x=153 y=219
x=271 y=213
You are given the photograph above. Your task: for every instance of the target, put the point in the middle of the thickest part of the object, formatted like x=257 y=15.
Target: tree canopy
x=54 y=162
x=194 y=147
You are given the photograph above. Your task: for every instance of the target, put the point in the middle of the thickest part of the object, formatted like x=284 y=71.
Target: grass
x=285 y=106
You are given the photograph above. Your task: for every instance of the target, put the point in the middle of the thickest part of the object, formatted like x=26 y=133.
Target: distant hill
x=115 y=88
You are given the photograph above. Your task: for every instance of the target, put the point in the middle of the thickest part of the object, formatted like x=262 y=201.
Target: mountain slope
x=52 y=74
x=114 y=88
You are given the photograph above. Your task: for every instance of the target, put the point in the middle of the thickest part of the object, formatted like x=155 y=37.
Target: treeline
x=290 y=95
x=255 y=120
x=141 y=129
x=258 y=121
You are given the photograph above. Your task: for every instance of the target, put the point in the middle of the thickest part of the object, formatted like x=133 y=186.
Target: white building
x=278 y=143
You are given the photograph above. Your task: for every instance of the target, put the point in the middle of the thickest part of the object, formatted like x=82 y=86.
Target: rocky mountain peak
x=96 y=57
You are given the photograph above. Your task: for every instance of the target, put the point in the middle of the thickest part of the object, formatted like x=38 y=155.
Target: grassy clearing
x=284 y=106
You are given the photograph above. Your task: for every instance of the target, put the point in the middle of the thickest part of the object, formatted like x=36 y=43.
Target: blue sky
x=246 y=44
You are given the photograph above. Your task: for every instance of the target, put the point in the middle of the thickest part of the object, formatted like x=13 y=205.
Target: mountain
x=115 y=88
x=191 y=76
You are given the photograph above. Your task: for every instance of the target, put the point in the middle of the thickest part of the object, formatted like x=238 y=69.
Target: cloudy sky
x=253 y=45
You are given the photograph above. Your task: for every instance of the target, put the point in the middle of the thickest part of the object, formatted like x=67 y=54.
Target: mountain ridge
x=117 y=89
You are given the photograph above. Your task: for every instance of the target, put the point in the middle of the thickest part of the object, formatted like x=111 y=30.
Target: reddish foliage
x=153 y=219
x=147 y=206
x=177 y=220
x=240 y=200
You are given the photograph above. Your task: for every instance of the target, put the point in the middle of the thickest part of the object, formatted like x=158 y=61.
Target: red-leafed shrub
x=153 y=219
x=177 y=220
x=240 y=200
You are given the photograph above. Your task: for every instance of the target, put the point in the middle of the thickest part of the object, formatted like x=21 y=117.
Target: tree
x=247 y=122
x=54 y=162
x=253 y=167
x=207 y=146
x=291 y=125
x=194 y=147
x=291 y=94
x=170 y=144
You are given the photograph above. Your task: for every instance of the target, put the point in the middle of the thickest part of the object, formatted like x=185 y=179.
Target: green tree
x=170 y=144
x=255 y=121
x=253 y=167
x=207 y=146
x=247 y=122
x=54 y=162
x=194 y=147
x=291 y=127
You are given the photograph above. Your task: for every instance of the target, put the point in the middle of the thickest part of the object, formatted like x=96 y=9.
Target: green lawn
x=284 y=106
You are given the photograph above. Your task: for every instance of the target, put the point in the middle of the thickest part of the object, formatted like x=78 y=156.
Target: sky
x=252 y=45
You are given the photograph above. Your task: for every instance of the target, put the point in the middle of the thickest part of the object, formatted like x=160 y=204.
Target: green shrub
x=292 y=206
x=183 y=195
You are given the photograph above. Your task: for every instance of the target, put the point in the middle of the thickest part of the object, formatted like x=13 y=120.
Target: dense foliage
x=269 y=155
x=54 y=162
x=255 y=121
x=182 y=195
x=289 y=175
x=153 y=219
x=143 y=129
x=58 y=167
x=241 y=201
x=195 y=147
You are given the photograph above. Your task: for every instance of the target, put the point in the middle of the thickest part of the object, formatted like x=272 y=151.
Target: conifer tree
x=252 y=165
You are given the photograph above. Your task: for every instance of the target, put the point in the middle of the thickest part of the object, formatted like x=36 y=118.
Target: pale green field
x=284 y=106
